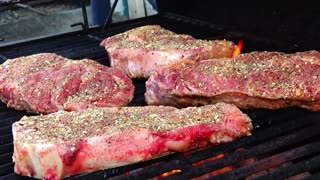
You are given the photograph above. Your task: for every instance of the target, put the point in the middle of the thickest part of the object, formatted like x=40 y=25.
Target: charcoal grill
x=284 y=143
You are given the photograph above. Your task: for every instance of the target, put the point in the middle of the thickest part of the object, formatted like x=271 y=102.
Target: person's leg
x=99 y=10
x=153 y=4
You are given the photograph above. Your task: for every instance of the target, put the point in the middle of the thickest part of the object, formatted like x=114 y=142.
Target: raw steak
x=46 y=83
x=253 y=80
x=139 y=51
x=66 y=143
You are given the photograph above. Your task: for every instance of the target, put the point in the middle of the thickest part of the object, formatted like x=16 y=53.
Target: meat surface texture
x=62 y=144
x=45 y=83
x=138 y=52
x=252 y=80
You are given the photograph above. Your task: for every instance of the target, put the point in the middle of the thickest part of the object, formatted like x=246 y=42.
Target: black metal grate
x=285 y=143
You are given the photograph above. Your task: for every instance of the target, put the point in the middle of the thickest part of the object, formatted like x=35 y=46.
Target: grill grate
x=285 y=143
x=275 y=145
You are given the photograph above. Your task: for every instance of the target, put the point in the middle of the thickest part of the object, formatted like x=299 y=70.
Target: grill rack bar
x=190 y=171
x=6 y=158
x=6 y=169
x=7 y=148
x=315 y=176
x=285 y=172
x=272 y=161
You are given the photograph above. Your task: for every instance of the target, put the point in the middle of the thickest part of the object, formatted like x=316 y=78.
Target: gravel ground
x=18 y=14
x=42 y=20
x=21 y=24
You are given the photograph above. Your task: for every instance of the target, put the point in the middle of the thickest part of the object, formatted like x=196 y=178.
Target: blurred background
x=37 y=18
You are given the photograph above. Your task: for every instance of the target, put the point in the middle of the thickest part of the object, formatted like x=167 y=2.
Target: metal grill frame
x=280 y=136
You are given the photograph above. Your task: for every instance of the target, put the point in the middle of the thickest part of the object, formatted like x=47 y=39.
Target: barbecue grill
x=285 y=143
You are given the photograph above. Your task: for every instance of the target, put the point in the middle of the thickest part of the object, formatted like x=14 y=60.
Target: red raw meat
x=138 y=52
x=253 y=80
x=62 y=144
x=45 y=83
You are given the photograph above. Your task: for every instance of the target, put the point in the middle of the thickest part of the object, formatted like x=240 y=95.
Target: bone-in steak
x=67 y=143
x=46 y=83
x=253 y=80
x=139 y=51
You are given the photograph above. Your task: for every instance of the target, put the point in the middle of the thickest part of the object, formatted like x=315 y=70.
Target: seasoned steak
x=139 y=51
x=253 y=80
x=66 y=143
x=45 y=83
